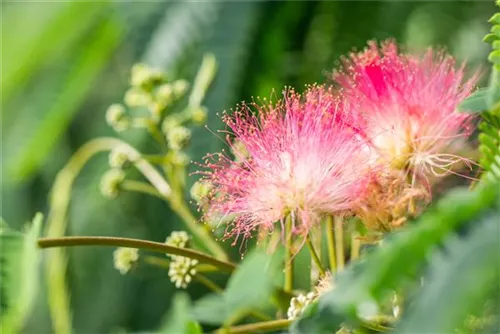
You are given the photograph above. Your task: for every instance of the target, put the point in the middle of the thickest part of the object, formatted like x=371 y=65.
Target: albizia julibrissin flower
x=300 y=159
x=406 y=106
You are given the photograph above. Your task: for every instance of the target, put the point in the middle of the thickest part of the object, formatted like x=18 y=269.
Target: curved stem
x=141 y=187
x=315 y=256
x=330 y=236
x=60 y=195
x=135 y=243
x=266 y=326
x=289 y=255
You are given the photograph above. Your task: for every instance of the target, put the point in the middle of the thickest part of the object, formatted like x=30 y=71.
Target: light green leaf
x=79 y=80
x=19 y=275
x=252 y=283
x=210 y=309
x=476 y=102
x=179 y=319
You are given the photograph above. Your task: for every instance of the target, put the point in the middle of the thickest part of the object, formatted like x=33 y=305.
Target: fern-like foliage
x=19 y=259
x=489 y=137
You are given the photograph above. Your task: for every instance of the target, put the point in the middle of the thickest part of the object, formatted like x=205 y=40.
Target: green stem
x=60 y=196
x=136 y=243
x=315 y=256
x=183 y=211
x=266 y=326
x=208 y=283
x=180 y=208
x=156 y=261
x=330 y=237
x=355 y=246
x=165 y=264
x=289 y=254
x=141 y=187
x=339 y=242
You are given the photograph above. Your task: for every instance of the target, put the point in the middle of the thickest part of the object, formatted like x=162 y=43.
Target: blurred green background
x=64 y=63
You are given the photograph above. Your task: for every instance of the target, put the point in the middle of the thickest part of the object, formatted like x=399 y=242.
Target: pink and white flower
x=406 y=106
x=301 y=159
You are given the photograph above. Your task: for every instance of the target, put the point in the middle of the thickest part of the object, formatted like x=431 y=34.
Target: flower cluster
x=181 y=269
x=303 y=160
x=124 y=259
x=367 y=145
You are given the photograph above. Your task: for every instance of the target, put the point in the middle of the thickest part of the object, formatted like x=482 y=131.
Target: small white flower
x=182 y=270
x=298 y=304
x=325 y=284
x=111 y=182
x=178 y=239
x=124 y=258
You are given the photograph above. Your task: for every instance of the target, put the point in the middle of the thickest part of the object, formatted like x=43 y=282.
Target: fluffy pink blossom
x=301 y=159
x=406 y=106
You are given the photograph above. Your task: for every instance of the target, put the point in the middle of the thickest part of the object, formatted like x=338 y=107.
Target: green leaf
x=494 y=57
x=210 y=309
x=19 y=274
x=179 y=318
x=33 y=149
x=476 y=102
x=495 y=19
x=250 y=287
x=462 y=277
x=363 y=286
x=252 y=284
x=490 y=38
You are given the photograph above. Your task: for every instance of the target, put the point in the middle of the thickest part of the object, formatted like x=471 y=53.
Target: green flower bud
x=135 y=97
x=200 y=190
x=117 y=118
x=111 y=182
x=179 y=88
x=119 y=158
x=178 y=158
x=199 y=115
x=178 y=137
x=145 y=77
x=124 y=258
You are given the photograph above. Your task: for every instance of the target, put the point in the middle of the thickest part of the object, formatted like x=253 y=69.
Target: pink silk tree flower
x=406 y=107
x=300 y=159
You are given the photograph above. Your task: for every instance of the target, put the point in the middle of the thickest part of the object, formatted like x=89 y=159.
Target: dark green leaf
x=462 y=277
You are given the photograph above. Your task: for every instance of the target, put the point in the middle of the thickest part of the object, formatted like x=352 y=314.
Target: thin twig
x=315 y=256
x=135 y=243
